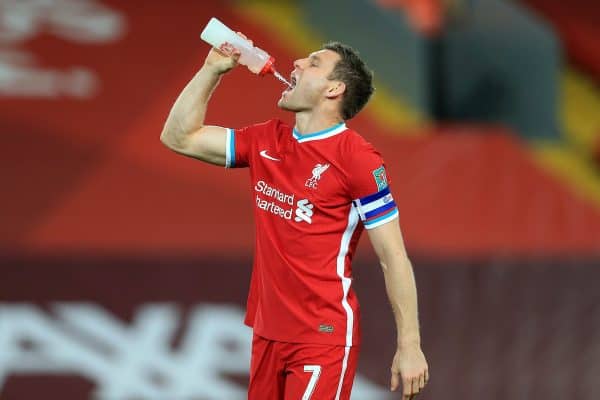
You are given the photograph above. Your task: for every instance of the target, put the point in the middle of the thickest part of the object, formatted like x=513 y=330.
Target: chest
x=301 y=171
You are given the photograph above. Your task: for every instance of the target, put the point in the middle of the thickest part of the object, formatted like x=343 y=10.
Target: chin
x=284 y=106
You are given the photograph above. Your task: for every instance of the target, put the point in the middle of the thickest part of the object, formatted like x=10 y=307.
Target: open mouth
x=293 y=83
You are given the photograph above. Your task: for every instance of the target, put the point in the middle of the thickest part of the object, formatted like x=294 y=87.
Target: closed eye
x=314 y=61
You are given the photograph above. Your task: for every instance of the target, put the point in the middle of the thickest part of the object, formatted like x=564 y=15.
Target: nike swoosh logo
x=268 y=157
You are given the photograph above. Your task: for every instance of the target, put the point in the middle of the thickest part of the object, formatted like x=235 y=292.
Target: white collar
x=324 y=134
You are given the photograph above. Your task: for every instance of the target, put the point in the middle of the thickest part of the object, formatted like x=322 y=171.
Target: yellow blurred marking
x=284 y=19
x=575 y=171
x=580 y=111
x=571 y=160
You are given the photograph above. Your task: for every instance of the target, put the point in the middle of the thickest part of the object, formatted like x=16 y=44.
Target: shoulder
x=357 y=148
x=363 y=165
x=271 y=124
x=260 y=131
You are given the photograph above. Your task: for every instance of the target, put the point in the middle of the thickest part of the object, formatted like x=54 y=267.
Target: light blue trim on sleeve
x=230 y=148
x=382 y=220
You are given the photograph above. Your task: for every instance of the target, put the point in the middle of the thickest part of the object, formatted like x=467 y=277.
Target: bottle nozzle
x=269 y=67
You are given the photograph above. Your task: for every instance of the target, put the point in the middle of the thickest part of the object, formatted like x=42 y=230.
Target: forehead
x=325 y=55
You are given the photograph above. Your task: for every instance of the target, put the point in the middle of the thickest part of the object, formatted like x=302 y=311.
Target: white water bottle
x=219 y=36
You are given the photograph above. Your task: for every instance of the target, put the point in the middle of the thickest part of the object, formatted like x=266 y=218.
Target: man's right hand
x=225 y=58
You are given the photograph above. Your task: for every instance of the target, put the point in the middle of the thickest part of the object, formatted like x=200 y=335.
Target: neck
x=307 y=122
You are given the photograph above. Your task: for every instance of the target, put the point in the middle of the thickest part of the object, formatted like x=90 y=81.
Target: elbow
x=164 y=136
x=166 y=139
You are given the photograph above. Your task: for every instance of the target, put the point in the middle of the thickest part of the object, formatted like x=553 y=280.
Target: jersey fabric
x=313 y=196
x=292 y=371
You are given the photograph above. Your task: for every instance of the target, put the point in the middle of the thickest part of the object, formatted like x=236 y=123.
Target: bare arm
x=409 y=362
x=184 y=131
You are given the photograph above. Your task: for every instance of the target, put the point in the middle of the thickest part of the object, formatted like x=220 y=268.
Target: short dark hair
x=355 y=74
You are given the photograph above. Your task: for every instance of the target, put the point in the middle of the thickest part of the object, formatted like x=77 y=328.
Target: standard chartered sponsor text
x=277 y=196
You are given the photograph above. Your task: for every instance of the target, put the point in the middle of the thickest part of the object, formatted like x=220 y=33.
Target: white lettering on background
x=136 y=360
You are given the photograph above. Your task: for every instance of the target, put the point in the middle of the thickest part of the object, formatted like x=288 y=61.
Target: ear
x=336 y=88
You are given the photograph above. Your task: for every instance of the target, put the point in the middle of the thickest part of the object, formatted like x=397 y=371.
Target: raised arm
x=184 y=131
x=409 y=363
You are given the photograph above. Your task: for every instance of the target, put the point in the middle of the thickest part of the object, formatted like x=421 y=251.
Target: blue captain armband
x=230 y=149
x=376 y=209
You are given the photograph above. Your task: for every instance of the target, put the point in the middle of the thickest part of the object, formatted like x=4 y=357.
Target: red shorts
x=300 y=371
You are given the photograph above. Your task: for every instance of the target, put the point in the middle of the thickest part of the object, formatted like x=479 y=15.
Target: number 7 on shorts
x=316 y=371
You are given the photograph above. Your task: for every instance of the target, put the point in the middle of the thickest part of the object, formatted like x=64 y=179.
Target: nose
x=297 y=64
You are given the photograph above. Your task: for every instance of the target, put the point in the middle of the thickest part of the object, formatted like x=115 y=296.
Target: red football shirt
x=313 y=195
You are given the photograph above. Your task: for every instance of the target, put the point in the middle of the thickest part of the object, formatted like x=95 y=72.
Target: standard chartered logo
x=278 y=203
x=304 y=211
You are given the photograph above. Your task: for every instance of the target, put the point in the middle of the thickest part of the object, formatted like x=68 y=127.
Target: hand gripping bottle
x=220 y=36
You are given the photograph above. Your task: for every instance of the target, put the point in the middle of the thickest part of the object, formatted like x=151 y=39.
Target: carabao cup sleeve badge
x=380 y=178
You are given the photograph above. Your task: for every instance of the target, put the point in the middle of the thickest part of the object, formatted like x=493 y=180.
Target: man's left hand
x=410 y=367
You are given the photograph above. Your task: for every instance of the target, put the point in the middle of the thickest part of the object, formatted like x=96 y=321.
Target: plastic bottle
x=219 y=35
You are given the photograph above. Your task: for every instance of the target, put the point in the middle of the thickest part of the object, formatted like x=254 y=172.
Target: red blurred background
x=121 y=262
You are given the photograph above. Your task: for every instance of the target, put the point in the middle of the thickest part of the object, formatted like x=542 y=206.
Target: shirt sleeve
x=370 y=190
x=240 y=143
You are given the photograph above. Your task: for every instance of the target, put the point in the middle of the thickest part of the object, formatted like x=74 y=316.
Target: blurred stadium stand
x=577 y=24
x=124 y=267
x=477 y=69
